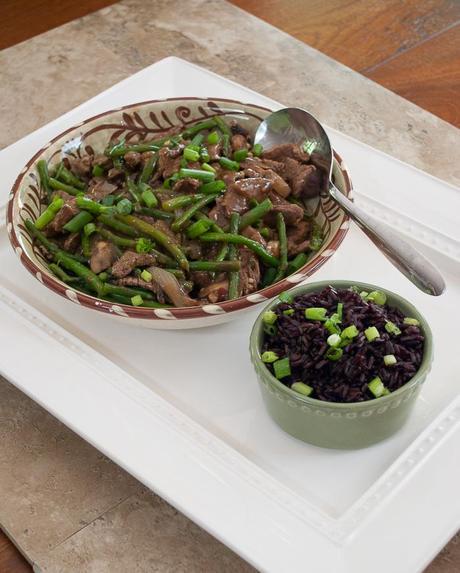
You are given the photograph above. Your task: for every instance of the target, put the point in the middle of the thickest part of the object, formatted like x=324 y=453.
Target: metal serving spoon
x=294 y=125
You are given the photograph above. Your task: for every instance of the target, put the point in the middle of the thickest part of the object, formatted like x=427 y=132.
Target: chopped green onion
x=371 y=333
x=208 y=167
x=212 y=187
x=204 y=155
x=137 y=300
x=296 y=263
x=334 y=354
x=124 y=207
x=334 y=340
x=169 y=182
x=268 y=357
x=364 y=294
x=282 y=368
x=389 y=359
x=345 y=341
x=411 y=321
x=377 y=387
x=213 y=138
x=257 y=149
x=391 y=328
x=270 y=329
x=285 y=297
x=265 y=232
x=340 y=310
x=200 y=174
x=49 y=213
x=89 y=229
x=269 y=317
x=147 y=195
x=229 y=164
x=377 y=296
x=191 y=154
x=146 y=276
x=143 y=245
x=331 y=325
x=240 y=154
x=350 y=332
x=198 y=228
x=77 y=223
x=98 y=171
x=289 y=312
x=103 y=276
x=302 y=388
x=315 y=313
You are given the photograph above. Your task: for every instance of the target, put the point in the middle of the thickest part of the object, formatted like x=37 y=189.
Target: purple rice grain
x=303 y=341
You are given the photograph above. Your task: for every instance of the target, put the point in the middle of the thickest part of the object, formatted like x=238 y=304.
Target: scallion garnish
x=137 y=300
x=124 y=207
x=146 y=276
x=371 y=333
x=378 y=297
x=302 y=388
x=191 y=155
x=350 y=332
x=269 y=317
x=213 y=138
x=391 y=328
x=315 y=313
x=411 y=321
x=268 y=357
x=257 y=149
x=282 y=368
x=334 y=354
x=389 y=359
x=240 y=154
x=377 y=387
x=334 y=340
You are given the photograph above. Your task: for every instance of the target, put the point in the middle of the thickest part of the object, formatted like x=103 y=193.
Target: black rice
x=304 y=342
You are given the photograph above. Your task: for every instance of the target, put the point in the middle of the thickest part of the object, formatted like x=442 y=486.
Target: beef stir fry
x=199 y=216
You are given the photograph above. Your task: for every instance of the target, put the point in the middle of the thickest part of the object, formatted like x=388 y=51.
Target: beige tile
x=143 y=535
x=52 y=483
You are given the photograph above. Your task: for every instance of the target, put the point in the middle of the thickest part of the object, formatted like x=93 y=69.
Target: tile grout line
x=93 y=520
x=385 y=61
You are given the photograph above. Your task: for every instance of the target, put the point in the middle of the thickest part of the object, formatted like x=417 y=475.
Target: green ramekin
x=335 y=425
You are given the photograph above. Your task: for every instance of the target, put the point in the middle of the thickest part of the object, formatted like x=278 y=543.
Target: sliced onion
x=171 y=287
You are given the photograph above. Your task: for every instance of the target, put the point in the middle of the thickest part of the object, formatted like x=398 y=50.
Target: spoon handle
x=419 y=270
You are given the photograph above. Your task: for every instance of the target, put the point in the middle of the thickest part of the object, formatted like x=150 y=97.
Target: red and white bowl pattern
x=144 y=121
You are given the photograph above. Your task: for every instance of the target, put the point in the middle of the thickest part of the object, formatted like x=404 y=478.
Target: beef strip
x=278 y=183
x=254 y=234
x=192 y=249
x=71 y=242
x=169 y=161
x=115 y=174
x=285 y=150
x=239 y=141
x=103 y=254
x=259 y=163
x=65 y=213
x=219 y=214
x=100 y=188
x=252 y=188
x=237 y=128
x=298 y=238
x=102 y=161
x=186 y=185
x=234 y=202
x=215 y=150
x=292 y=213
x=132 y=159
x=305 y=180
x=215 y=292
x=139 y=283
x=249 y=272
x=80 y=166
x=128 y=261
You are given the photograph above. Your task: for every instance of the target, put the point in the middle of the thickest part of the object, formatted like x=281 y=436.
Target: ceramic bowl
x=336 y=425
x=144 y=121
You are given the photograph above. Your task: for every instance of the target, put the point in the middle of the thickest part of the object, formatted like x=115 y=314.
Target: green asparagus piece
x=234 y=276
x=49 y=213
x=76 y=224
x=43 y=174
x=148 y=169
x=61 y=274
x=188 y=214
x=158 y=236
x=116 y=239
x=281 y=226
x=256 y=247
x=255 y=214
x=66 y=176
x=215 y=266
x=180 y=201
x=157 y=213
x=60 y=186
x=110 y=221
x=194 y=129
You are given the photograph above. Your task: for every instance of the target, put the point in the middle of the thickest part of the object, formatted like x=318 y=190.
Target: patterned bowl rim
x=201 y=311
